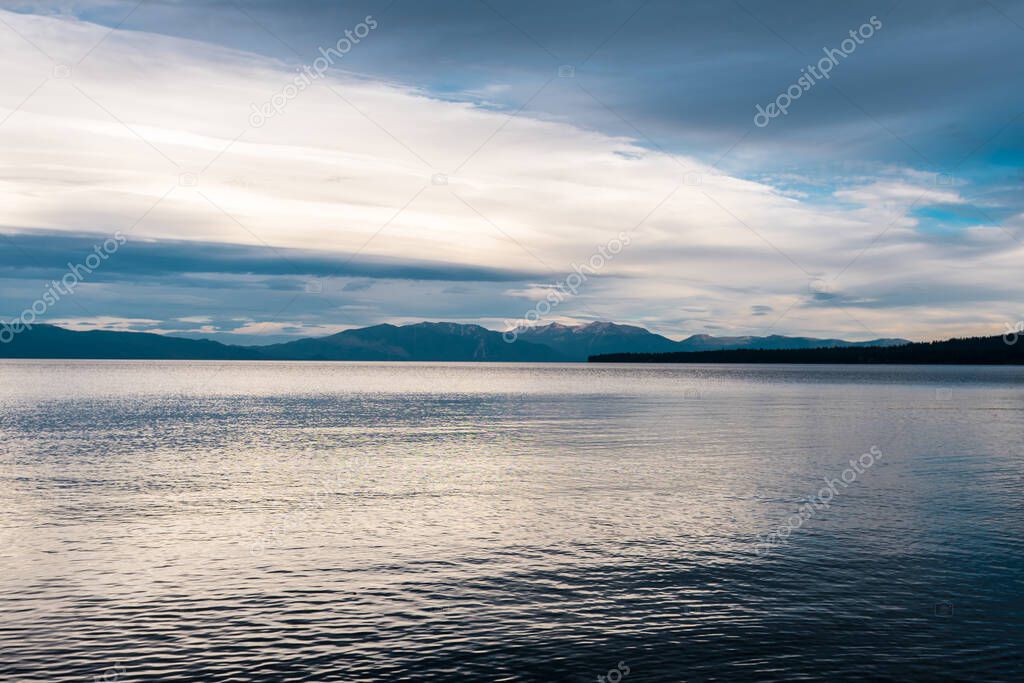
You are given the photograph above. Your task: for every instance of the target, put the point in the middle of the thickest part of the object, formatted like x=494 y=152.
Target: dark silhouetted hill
x=963 y=351
x=49 y=341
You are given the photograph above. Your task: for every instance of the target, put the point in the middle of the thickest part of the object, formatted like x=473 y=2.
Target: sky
x=284 y=169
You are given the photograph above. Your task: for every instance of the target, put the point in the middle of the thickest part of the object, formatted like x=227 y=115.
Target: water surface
x=171 y=521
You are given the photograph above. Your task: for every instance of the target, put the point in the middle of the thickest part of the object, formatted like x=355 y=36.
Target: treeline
x=965 y=351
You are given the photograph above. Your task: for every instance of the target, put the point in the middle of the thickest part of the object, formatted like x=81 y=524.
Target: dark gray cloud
x=42 y=255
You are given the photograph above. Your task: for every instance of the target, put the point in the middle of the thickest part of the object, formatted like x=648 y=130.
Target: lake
x=172 y=521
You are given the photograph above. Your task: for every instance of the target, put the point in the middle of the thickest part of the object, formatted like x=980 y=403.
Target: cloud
x=48 y=253
x=932 y=83
x=265 y=329
x=106 y=322
x=151 y=136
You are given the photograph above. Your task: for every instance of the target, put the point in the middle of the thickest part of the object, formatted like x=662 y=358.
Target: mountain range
x=426 y=341
x=581 y=341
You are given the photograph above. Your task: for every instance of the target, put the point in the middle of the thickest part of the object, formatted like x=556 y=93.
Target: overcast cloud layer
x=465 y=156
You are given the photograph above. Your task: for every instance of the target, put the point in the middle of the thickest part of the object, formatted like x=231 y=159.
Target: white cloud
x=106 y=322
x=289 y=328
